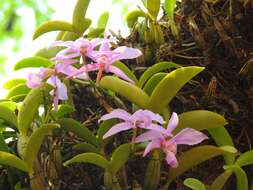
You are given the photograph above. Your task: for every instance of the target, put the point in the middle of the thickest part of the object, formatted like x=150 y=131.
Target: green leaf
x=64 y=109
x=125 y=89
x=167 y=89
x=161 y=66
x=8 y=116
x=153 y=7
x=78 y=18
x=104 y=127
x=9 y=104
x=85 y=147
x=153 y=81
x=241 y=177
x=50 y=26
x=102 y=20
x=95 y=33
x=91 y=158
x=48 y=52
x=119 y=157
x=220 y=181
x=200 y=120
x=194 y=184
x=245 y=159
x=18 y=98
x=126 y=70
x=132 y=17
x=78 y=129
x=34 y=142
x=194 y=157
x=31 y=62
x=169 y=6
x=28 y=110
x=13 y=161
x=13 y=82
x=3 y=145
x=20 y=89
x=222 y=138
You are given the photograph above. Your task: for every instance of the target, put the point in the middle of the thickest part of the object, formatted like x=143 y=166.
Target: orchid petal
x=171 y=159
x=117 y=113
x=117 y=128
x=62 y=90
x=188 y=136
x=70 y=71
x=127 y=53
x=104 y=47
x=173 y=122
x=34 y=80
x=62 y=43
x=119 y=73
x=154 y=117
x=149 y=135
x=152 y=145
x=157 y=128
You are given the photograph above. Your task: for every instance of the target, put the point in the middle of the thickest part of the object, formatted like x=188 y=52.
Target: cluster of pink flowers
x=100 y=60
x=157 y=136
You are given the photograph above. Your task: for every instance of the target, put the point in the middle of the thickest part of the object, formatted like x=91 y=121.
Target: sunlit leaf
x=18 y=98
x=220 y=181
x=13 y=82
x=95 y=33
x=126 y=70
x=78 y=18
x=169 y=6
x=50 y=26
x=13 y=161
x=9 y=104
x=194 y=184
x=132 y=17
x=152 y=82
x=102 y=20
x=241 y=177
x=34 y=142
x=245 y=159
x=8 y=116
x=119 y=157
x=194 y=157
x=85 y=147
x=222 y=138
x=78 y=129
x=31 y=62
x=174 y=81
x=64 y=109
x=125 y=89
x=28 y=110
x=91 y=158
x=3 y=145
x=20 y=89
x=48 y=52
x=153 y=7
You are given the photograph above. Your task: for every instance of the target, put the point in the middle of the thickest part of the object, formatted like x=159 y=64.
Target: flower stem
x=100 y=72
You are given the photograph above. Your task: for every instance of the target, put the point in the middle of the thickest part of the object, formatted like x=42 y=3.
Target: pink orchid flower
x=105 y=57
x=60 y=90
x=140 y=119
x=80 y=47
x=168 y=143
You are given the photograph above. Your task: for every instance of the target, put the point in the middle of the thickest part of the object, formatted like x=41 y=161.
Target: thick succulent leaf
x=30 y=62
x=50 y=26
x=3 y=145
x=9 y=104
x=169 y=6
x=119 y=157
x=34 y=142
x=13 y=161
x=48 y=52
x=91 y=158
x=65 y=109
x=13 y=82
x=196 y=156
x=126 y=70
x=245 y=159
x=125 y=89
x=18 y=90
x=18 y=98
x=8 y=116
x=78 y=18
x=60 y=35
x=103 y=19
x=103 y=128
x=161 y=66
x=241 y=177
x=200 y=120
x=153 y=7
x=132 y=17
x=194 y=184
x=95 y=33
x=28 y=110
x=85 y=147
x=167 y=89
x=222 y=138
x=152 y=82
x=220 y=181
x=78 y=129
